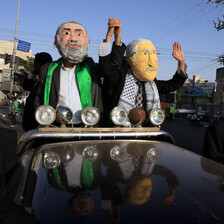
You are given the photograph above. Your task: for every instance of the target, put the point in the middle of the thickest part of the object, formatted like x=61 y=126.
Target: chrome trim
x=22 y=184
x=84 y=134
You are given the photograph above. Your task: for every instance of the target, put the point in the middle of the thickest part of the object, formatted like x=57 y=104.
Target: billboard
x=197 y=89
x=6 y=75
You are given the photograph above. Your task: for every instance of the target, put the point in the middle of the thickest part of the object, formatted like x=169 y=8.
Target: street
x=186 y=134
x=5 y=122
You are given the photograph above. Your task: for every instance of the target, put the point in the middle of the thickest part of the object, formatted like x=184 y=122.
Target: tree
x=28 y=64
x=220 y=24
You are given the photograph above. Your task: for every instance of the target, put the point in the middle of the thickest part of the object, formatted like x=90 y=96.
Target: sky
x=189 y=22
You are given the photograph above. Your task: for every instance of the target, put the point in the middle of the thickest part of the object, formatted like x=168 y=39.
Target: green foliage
x=28 y=64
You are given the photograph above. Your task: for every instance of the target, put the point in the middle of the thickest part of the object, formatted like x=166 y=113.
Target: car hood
x=130 y=181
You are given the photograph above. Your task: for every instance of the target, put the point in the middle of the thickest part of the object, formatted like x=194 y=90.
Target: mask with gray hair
x=132 y=47
x=73 y=55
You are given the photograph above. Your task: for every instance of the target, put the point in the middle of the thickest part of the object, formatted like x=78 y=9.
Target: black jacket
x=55 y=86
x=36 y=97
x=213 y=147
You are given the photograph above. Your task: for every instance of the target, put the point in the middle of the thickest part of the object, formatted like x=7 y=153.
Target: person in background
x=213 y=147
x=171 y=111
x=10 y=212
x=32 y=77
x=14 y=111
x=30 y=84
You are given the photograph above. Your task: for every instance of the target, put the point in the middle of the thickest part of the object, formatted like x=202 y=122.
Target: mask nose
x=73 y=38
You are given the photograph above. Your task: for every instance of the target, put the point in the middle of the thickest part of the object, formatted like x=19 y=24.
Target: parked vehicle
x=184 y=112
x=205 y=116
x=99 y=175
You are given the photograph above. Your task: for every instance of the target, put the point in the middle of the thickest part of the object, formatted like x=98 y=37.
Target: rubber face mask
x=139 y=189
x=72 y=42
x=145 y=63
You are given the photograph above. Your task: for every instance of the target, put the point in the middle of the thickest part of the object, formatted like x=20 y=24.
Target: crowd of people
x=75 y=80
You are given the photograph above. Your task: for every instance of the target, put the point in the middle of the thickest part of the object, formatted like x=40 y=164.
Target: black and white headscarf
x=129 y=93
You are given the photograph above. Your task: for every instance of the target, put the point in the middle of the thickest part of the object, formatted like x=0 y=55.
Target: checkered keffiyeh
x=130 y=90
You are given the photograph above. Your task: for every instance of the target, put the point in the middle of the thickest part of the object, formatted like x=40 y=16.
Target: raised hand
x=178 y=54
x=114 y=27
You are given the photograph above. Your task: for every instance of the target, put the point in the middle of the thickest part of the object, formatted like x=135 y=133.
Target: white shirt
x=104 y=49
x=69 y=93
x=73 y=171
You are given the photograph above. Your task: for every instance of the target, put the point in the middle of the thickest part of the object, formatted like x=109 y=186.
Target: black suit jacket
x=37 y=97
x=55 y=86
x=28 y=83
x=10 y=212
x=8 y=144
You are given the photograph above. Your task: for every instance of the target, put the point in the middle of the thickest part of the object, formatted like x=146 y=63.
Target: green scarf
x=87 y=175
x=58 y=179
x=84 y=82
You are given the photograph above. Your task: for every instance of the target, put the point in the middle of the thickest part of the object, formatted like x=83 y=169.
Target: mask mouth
x=151 y=69
x=73 y=45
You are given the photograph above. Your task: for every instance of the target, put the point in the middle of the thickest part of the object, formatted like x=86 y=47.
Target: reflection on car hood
x=131 y=181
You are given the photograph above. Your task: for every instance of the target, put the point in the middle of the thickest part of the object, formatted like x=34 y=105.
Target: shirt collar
x=66 y=69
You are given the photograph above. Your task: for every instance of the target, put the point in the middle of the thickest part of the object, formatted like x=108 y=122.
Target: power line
x=176 y=19
x=27 y=33
x=180 y=26
x=202 y=67
x=187 y=52
x=164 y=52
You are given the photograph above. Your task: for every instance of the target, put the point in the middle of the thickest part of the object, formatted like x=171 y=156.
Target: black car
x=124 y=175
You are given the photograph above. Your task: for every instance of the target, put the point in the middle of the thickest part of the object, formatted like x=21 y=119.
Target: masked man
x=122 y=77
x=74 y=79
x=141 y=55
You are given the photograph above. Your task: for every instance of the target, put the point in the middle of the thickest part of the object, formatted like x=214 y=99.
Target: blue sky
x=190 y=22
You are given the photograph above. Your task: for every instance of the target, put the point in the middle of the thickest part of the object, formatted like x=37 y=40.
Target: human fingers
x=109 y=19
x=180 y=48
x=177 y=46
x=115 y=22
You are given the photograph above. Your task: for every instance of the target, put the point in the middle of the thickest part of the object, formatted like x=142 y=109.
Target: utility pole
x=221 y=59
x=12 y=65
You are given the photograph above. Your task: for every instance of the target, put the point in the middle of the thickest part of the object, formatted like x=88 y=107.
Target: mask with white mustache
x=73 y=55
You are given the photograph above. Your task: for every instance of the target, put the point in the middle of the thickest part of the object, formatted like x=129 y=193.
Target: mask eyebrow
x=79 y=30
x=69 y=29
x=145 y=49
x=66 y=29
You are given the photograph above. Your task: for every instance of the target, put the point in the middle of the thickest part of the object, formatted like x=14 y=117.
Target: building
x=6 y=48
x=196 y=79
x=198 y=95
